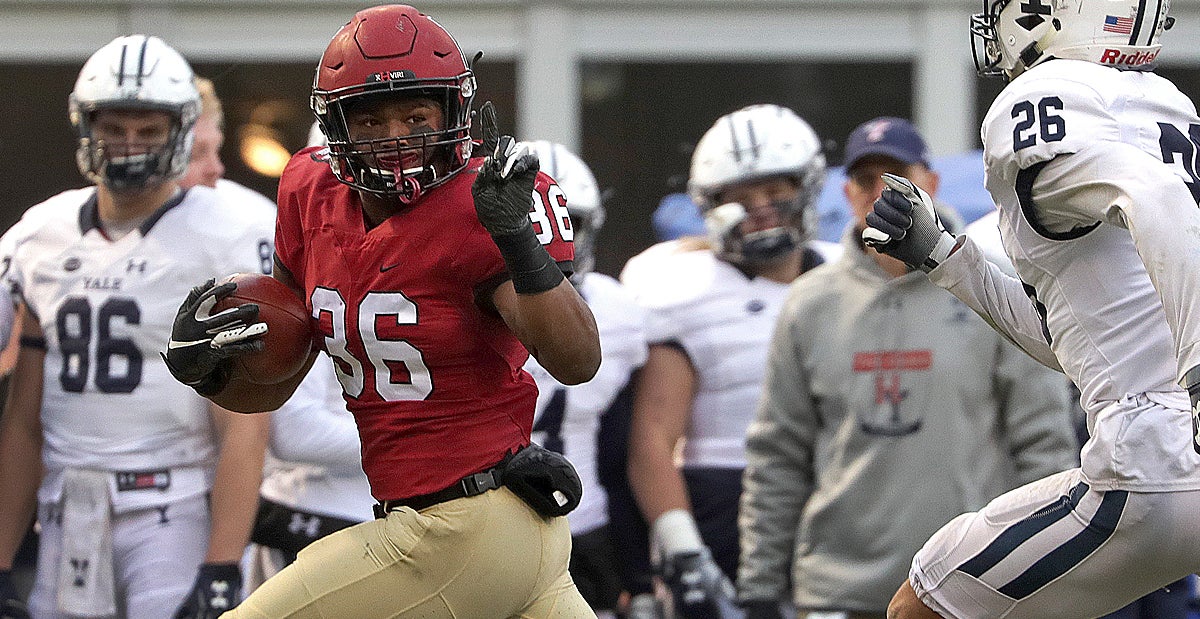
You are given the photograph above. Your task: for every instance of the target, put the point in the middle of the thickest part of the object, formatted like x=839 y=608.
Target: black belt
x=471 y=485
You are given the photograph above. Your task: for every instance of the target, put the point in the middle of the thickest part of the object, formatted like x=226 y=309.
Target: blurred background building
x=630 y=84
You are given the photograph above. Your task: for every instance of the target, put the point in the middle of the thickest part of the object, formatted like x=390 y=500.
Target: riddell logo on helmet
x=1115 y=57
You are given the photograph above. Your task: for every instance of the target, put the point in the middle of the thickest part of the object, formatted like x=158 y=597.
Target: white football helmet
x=751 y=144
x=1011 y=36
x=584 y=203
x=135 y=72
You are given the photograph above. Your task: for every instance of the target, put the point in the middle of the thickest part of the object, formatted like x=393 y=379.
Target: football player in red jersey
x=430 y=275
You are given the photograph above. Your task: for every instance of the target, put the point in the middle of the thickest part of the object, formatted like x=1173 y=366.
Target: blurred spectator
x=755 y=175
x=205 y=166
x=961 y=183
x=677 y=216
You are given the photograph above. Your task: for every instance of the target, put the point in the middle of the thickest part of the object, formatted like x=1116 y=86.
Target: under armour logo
x=308 y=526
x=80 y=567
x=135 y=265
x=218 y=598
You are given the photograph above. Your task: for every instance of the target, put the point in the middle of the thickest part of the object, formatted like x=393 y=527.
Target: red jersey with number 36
x=435 y=383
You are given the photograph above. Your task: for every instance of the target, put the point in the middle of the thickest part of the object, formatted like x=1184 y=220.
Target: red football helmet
x=395 y=49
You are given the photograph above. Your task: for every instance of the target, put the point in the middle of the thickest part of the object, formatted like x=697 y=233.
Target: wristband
x=676 y=532
x=529 y=264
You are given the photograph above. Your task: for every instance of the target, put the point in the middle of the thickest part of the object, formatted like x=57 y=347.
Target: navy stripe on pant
x=1063 y=558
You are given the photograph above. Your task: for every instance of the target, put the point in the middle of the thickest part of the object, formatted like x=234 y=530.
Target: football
x=289 y=337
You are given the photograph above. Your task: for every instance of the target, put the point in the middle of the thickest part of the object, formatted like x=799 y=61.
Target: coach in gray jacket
x=888 y=409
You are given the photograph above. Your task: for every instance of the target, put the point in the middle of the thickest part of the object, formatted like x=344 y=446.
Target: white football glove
x=905 y=225
x=699 y=588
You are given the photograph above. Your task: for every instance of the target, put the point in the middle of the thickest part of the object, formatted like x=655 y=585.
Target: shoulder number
x=1179 y=152
x=1050 y=126
x=549 y=213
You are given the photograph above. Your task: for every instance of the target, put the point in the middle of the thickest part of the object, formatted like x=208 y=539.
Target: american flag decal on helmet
x=1118 y=25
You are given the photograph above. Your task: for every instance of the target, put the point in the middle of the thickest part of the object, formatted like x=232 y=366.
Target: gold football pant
x=488 y=556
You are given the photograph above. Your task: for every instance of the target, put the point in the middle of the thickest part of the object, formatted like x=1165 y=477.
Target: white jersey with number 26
x=1094 y=172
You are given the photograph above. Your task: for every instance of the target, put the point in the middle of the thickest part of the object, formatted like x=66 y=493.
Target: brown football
x=289 y=337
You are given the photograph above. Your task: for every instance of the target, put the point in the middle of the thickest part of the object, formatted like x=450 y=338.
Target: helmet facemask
x=402 y=167
x=759 y=247
x=132 y=167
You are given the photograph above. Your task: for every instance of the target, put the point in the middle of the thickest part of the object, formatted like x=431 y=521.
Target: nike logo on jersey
x=389 y=267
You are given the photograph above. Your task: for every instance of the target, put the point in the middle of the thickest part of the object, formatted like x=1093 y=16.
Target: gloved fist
x=217 y=589
x=11 y=606
x=503 y=189
x=203 y=344
x=697 y=585
x=905 y=225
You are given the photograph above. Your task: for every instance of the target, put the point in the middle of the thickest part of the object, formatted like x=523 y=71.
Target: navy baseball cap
x=888 y=136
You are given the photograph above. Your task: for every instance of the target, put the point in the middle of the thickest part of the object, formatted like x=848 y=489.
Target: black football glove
x=217 y=589
x=503 y=189
x=762 y=609
x=11 y=606
x=203 y=344
x=503 y=193
x=697 y=585
x=905 y=225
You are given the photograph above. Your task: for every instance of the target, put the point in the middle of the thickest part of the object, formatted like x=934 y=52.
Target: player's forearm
x=21 y=448
x=557 y=327
x=656 y=482
x=236 y=486
x=20 y=474
x=998 y=298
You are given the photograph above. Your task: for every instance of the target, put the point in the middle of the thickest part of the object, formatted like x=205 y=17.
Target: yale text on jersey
x=102 y=283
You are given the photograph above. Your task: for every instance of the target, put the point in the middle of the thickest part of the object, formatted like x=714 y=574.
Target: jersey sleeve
x=288 y=229
x=997 y=297
x=551 y=223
